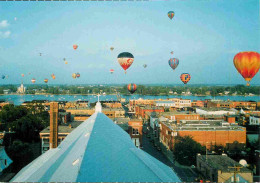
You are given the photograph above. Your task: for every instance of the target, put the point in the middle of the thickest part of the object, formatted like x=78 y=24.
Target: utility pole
x=236 y=170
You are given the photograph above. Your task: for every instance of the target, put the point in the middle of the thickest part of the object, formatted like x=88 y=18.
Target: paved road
x=185 y=174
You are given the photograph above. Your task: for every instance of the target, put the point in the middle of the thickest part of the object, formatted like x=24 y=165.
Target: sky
x=205 y=35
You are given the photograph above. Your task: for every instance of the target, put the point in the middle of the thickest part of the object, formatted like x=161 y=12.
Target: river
x=19 y=99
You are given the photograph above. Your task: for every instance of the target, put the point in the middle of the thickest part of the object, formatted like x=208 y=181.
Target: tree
x=185 y=150
x=20 y=153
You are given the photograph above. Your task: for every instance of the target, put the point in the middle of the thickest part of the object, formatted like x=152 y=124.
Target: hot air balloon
x=171 y=14
x=75 y=46
x=185 y=77
x=247 y=64
x=33 y=80
x=66 y=62
x=144 y=65
x=22 y=75
x=46 y=80
x=74 y=75
x=172 y=52
x=174 y=62
x=125 y=59
x=111 y=71
x=111 y=48
x=53 y=76
x=3 y=76
x=78 y=75
x=131 y=88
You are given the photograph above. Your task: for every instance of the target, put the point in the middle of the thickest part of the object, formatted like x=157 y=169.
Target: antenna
x=237 y=169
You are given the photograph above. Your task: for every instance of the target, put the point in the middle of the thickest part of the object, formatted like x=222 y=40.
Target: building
x=215 y=111
x=220 y=104
x=254 y=119
x=197 y=103
x=165 y=104
x=210 y=133
x=2 y=104
x=177 y=116
x=21 y=89
x=135 y=129
x=140 y=111
x=5 y=161
x=251 y=105
x=181 y=103
x=221 y=168
x=96 y=151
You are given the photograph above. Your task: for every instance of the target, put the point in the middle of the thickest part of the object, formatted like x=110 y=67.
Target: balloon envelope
x=3 y=76
x=33 y=80
x=247 y=64
x=78 y=75
x=171 y=14
x=111 y=71
x=131 y=87
x=185 y=78
x=173 y=63
x=75 y=46
x=144 y=65
x=46 y=80
x=111 y=48
x=125 y=59
x=22 y=75
x=74 y=75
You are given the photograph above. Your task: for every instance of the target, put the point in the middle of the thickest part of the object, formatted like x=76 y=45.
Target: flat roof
x=222 y=162
x=64 y=128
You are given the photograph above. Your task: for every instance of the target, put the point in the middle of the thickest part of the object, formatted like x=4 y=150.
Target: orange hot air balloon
x=46 y=80
x=75 y=46
x=185 y=78
x=22 y=75
x=66 y=62
x=247 y=64
x=33 y=80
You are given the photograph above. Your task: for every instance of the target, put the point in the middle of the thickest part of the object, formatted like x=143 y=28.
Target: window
x=135 y=131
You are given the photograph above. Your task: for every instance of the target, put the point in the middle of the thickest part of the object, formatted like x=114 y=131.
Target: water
x=19 y=99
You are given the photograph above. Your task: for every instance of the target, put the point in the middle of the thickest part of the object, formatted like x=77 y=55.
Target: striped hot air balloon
x=111 y=71
x=77 y=75
x=131 y=87
x=173 y=63
x=171 y=14
x=125 y=59
x=185 y=78
x=33 y=80
x=247 y=64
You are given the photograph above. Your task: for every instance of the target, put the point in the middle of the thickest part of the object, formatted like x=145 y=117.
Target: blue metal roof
x=96 y=151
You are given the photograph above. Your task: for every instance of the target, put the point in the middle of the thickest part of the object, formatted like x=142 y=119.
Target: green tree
x=185 y=150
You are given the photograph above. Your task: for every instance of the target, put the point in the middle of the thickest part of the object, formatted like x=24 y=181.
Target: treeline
x=141 y=90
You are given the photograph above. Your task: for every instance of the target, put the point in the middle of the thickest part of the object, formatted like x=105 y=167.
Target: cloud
x=5 y=34
x=4 y=24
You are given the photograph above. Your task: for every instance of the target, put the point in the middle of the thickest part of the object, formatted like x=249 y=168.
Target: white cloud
x=4 y=24
x=5 y=34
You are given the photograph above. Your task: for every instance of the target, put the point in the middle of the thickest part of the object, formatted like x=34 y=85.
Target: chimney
x=53 y=124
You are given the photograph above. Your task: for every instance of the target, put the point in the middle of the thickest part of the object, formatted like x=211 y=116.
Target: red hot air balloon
x=22 y=75
x=111 y=71
x=45 y=80
x=131 y=87
x=75 y=46
x=185 y=77
x=125 y=59
x=247 y=64
x=33 y=80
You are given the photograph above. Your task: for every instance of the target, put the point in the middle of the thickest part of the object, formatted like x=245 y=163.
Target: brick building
x=197 y=103
x=177 y=116
x=135 y=128
x=210 y=132
x=140 y=111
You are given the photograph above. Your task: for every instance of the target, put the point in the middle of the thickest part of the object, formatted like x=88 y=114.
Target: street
x=184 y=173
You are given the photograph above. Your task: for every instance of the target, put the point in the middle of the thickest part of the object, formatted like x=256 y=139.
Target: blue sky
x=205 y=35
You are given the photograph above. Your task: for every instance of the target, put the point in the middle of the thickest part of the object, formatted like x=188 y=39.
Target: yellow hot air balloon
x=247 y=64
x=74 y=75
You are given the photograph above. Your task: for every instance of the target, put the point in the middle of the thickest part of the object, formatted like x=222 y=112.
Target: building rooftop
x=203 y=125
x=63 y=128
x=176 y=113
x=165 y=102
x=222 y=162
x=97 y=151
